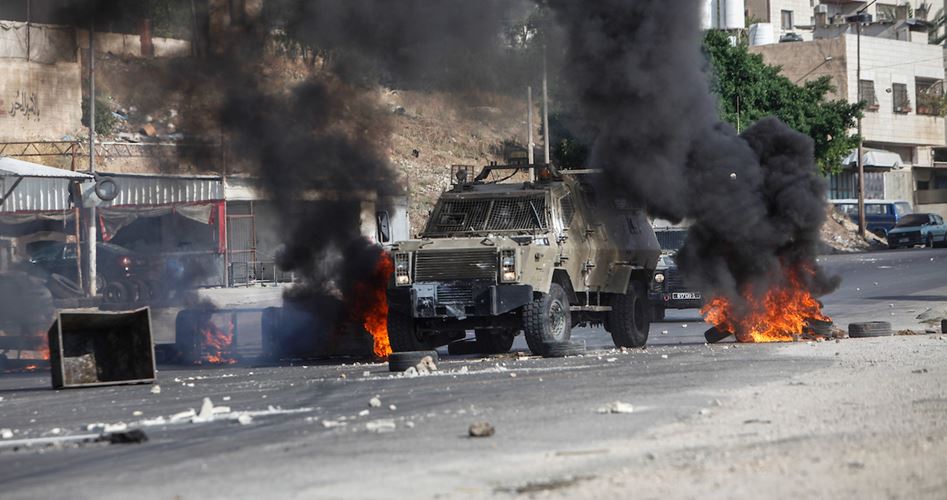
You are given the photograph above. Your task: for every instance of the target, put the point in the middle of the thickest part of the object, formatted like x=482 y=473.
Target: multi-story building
x=902 y=82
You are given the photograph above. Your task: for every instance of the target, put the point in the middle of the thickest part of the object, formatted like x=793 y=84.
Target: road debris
x=134 y=436
x=381 y=425
x=6 y=434
x=481 y=429
x=331 y=424
x=375 y=402
x=616 y=407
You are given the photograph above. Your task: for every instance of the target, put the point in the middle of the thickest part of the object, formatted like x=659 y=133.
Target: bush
x=104 y=119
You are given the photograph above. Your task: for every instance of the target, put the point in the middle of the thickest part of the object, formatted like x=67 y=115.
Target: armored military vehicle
x=537 y=257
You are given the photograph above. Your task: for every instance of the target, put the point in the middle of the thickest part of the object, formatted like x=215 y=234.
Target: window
x=568 y=210
x=786 y=17
x=886 y=12
x=902 y=104
x=930 y=96
x=867 y=90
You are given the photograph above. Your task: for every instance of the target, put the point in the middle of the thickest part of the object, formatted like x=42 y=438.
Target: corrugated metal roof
x=35 y=194
x=140 y=189
x=11 y=167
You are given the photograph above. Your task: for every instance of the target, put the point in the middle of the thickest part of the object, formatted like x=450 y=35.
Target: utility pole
x=529 y=133
x=91 y=236
x=859 y=18
x=546 y=133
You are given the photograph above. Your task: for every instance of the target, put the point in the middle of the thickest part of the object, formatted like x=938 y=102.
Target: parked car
x=880 y=215
x=918 y=229
x=121 y=274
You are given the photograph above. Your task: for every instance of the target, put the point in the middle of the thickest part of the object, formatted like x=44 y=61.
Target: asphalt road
x=305 y=432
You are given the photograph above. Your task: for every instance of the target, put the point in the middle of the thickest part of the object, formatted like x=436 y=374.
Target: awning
x=11 y=167
x=874 y=159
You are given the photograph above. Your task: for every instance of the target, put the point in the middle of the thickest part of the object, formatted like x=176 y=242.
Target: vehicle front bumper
x=906 y=239
x=458 y=299
x=667 y=300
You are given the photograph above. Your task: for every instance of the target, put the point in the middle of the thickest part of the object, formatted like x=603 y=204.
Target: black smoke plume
x=755 y=201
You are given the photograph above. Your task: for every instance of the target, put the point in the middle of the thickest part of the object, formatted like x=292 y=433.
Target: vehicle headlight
x=508 y=266
x=659 y=278
x=402 y=268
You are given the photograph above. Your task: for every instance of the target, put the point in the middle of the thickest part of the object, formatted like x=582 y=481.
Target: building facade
x=902 y=83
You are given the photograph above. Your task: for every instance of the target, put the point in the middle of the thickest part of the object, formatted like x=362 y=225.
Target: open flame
x=372 y=305
x=216 y=344
x=779 y=315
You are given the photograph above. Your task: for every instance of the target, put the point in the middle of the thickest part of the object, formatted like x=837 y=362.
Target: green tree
x=749 y=89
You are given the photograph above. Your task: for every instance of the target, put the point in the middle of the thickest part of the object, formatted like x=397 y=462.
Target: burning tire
x=403 y=333
x=401 y=361
x=547 y=319
x=563 y=349
x=495 y=341
x=870 y=329
x=630 y=317
x=820 y=327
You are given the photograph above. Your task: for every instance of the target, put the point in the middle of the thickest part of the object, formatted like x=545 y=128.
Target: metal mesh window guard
x=521 y=213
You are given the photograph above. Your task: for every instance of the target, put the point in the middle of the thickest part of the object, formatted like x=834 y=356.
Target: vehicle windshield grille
x=521 y=213
x=671 y=240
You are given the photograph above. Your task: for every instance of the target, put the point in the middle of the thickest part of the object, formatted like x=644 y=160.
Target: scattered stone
x=409 y=424
x=226 y=398
x=374 y=402
x=392 y=407
x=512 y=375
x=411 y=372
x=704 y=411
x=381 y=425
x=426 y=365
x=245 y=419
x=481 y=429
x=342 y=376
x=149 y=130
x=207 y=411
x=6 y=434
x=616 y=407
x=330 y=424
x=363 y=413
x=366 y=374
x=137 y=413
x=664 y=356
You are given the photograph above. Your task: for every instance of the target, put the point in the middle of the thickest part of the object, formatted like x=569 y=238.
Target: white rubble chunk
x=245 y=419
x=616 y=407
x=411 y=372
x=375 y=402
x=6 y=434
x=329 y=424
x=363 y=413
x=156 y=389
x=184 y=415
x=381 y=425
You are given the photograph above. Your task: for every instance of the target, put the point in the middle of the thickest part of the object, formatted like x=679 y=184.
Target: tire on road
x=820 y=327
x=401 y=361
x=563 y=349
x=943 y=326
x=494 y=341
x=630 y=317
x=547 y=319
x=403 y=333
x=870 y=329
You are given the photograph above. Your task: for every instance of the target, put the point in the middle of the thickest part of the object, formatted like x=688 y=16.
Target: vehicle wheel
x=943 y=326
x=100 y=284
x=403 y=334
x=401 y=361
x=657 y=313
x=494 y=341
x=930 y=241
x=547 y=319
x=870 y=329
x=630 y=317
x=116 y=293
x=62 y=287
x=563 y=349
